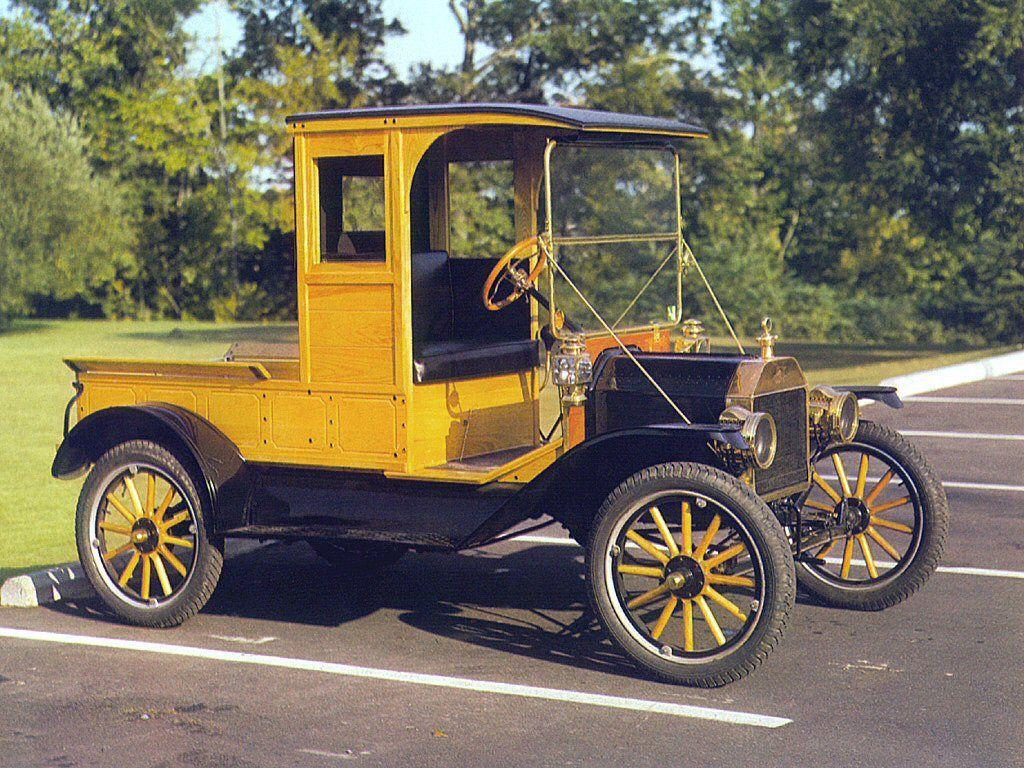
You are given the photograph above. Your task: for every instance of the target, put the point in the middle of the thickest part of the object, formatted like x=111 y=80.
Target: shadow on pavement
x=530 y=602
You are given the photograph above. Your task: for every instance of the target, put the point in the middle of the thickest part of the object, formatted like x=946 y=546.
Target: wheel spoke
x=666 y=614
x=146 y=574
x=818 y=505
x=647 y=546
x=826 y=549
x=161 y=573
x=162 y=510
x=862 y=475
x=890 y=505
x=844 y=481
x=173 y=560
x=129 y=570
x=881 y=541
x=178 y=542
x=178 y=518
x=687 y=529
x=688 y=625
x=869 y=559
x=126 y=513
x=648 y=597
x=881 y=523
x=820 y=482
x=133 y=494
x=111 y=528
x=877 y=490
x=709 y=617
x=119 y=551
x=847 y=558
x=641 y=570
x=726 y=603
x=727 y=580
x=721 y=557
x=702 y=548
x=665 y=533
x=150 y=493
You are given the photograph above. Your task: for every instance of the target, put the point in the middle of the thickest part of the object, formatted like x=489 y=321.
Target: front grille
x=789 y=409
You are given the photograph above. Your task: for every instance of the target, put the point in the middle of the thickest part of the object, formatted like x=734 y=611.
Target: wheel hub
x=684 y=576
x=145 y=535
x=853 y=515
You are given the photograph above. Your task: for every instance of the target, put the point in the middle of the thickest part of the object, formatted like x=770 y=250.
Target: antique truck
x=409 y=414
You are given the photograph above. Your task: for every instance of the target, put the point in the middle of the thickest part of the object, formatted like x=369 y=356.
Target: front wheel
x=889 y=516
x=690 y=574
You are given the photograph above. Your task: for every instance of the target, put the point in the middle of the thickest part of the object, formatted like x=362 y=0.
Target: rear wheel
x=141 y=536
x=890 y=514
x=690 y=574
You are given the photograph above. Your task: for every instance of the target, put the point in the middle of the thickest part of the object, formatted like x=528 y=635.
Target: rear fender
x=573 y=488
x=222 y=475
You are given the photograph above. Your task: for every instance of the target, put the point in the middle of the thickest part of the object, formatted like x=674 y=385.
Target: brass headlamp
x=758 y=430
x=834 y=416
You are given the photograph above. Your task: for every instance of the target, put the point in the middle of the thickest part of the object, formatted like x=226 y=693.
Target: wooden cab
x=398 y=367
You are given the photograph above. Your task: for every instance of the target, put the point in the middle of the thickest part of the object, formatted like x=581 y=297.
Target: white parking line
x=1013 y=377
x=942 y=568
x=984 y=486
x=415 y=678
x=965 y=484
x=960 y=569
x=959 y=435
x=966 y=400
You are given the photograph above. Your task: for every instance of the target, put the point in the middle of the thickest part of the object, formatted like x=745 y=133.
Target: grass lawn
x=37 y=512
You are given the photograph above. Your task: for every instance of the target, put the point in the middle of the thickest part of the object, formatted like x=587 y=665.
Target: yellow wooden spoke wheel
x=878 y=519
x=691 y=573
x=141 y=538
x=145 y=534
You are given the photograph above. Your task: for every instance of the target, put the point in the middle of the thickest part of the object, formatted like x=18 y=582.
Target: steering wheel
x=514 y=268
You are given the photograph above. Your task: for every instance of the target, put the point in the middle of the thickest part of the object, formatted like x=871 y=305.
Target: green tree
x=537 y=50
x=907 y=119
x=61 y=224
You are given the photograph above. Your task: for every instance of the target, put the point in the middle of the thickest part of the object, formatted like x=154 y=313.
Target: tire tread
x=747 y=659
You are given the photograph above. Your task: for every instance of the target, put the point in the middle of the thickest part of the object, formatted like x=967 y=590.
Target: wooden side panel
x=368 y=427
x=107 y=395
x=351 y=334
x=277 y=422
x=179 y=397
x=460 y=419
x=299 y=421
x=237 y=415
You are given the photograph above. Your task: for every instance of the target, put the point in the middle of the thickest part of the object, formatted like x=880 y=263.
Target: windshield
x=613 y=220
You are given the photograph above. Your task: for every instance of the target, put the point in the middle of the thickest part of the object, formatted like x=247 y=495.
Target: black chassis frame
x=248 y=499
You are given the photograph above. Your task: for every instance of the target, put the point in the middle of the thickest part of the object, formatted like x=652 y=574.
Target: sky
x=432 y=34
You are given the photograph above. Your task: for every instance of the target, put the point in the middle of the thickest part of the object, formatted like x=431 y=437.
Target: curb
x=62 y=582
x=69 y=582
x=953 y=375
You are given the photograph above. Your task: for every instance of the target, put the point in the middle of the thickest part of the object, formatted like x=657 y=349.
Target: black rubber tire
x=765 y=531
x=209 y=558
x=935 y=515
x=359 y=558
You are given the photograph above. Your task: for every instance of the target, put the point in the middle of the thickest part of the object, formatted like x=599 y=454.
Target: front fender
x=572 y=489
x=885 y=395
x=222 y=474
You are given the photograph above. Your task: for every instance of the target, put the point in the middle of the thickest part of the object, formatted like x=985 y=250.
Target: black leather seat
x=454 y=336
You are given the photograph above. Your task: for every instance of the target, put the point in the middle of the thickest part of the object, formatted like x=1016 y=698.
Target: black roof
x=572 y=117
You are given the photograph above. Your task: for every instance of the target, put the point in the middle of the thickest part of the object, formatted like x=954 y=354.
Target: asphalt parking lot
x=478 y=658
